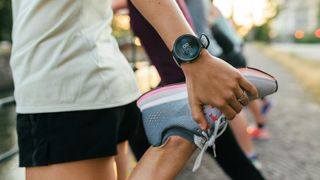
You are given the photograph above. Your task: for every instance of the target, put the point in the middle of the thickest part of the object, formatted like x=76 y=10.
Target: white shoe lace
x=221 y=123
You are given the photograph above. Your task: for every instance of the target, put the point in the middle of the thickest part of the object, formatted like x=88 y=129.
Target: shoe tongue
x=199 y=141
x=212 y=115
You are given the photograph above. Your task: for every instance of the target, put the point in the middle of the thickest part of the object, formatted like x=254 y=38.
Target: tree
x=262 y=32
x=319 y=14
x=5 y=20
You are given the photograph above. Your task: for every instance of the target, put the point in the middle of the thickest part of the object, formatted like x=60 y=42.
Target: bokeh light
x=317 y=33
x=299 y=34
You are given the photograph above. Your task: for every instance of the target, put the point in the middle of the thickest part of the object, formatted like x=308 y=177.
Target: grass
x=5 y=48
x=307 y=71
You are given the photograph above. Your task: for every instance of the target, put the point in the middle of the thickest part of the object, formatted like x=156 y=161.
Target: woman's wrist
x=188 y=67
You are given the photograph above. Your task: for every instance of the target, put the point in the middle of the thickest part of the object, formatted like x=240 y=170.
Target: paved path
x=293 y=153
x=305 y=51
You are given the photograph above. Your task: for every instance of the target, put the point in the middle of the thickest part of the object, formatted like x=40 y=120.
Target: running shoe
x=166 y=112
x=258 y=133
x=264 y=82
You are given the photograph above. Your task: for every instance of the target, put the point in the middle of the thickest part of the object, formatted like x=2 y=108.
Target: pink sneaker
x=258 y=133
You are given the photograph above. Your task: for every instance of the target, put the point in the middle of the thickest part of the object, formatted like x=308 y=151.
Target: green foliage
x=5 y=20
x=121 y=26
x=308 y=38
x=319 y=14
x=261 y=33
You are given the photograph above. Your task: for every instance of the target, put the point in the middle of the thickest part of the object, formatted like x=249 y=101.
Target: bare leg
x=98 y=169
x=165 y=162
x=258 y=131
x=255 y=110
x=122 y=160
x=239 y=126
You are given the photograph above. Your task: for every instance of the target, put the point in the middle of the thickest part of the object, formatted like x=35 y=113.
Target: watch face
x=187 y=48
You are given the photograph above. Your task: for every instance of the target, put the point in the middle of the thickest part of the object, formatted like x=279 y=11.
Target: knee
x=177 y=142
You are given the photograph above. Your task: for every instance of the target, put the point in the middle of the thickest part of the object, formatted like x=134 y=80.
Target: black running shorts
x=50 y=138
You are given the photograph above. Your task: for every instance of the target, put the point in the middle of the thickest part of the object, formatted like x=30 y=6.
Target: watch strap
x=204 y=41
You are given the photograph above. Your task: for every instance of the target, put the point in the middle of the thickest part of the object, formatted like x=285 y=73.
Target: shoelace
x=221 y=123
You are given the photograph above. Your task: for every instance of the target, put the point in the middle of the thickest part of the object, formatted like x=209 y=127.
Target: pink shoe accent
x=155 y=91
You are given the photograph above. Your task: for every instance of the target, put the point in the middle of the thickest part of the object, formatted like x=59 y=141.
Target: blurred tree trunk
x=5 y=20
x=319 y=14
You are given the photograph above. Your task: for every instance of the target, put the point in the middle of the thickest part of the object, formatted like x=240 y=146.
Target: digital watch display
x=187 y=48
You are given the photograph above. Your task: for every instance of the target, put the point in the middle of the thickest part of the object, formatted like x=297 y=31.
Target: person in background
x=233 y=44
x=200 y=11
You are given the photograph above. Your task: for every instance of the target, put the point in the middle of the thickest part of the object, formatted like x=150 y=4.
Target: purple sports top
x=158 y=53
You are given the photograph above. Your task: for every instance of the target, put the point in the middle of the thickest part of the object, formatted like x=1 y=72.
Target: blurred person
x=259 y=108
x=75 y=93
x=229 y=155
x=232 y=45
x=200 y=11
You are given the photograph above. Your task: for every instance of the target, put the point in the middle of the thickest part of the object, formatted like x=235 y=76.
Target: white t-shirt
x=64 y=57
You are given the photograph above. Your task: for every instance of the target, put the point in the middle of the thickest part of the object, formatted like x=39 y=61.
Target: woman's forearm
x=166 y=17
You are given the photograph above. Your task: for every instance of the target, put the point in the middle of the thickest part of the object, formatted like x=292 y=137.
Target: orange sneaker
x=258 y=133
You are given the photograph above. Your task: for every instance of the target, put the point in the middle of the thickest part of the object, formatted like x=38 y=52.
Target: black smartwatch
x=187 y=48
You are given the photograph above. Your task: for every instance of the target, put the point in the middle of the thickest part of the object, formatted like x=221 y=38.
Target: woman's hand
x=212 y=81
